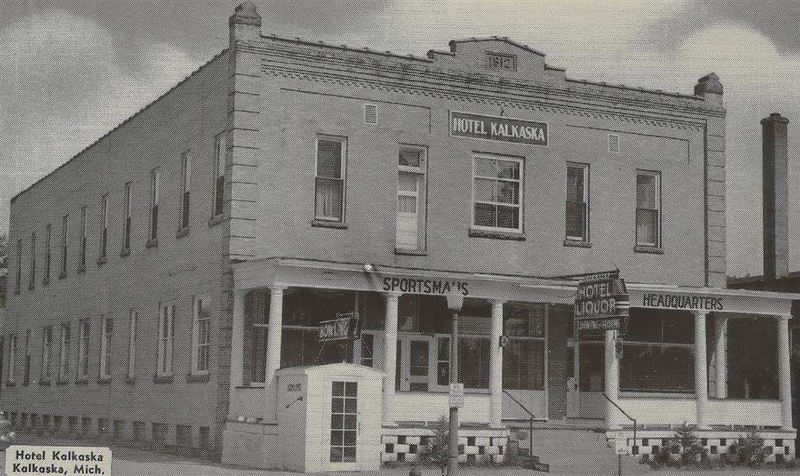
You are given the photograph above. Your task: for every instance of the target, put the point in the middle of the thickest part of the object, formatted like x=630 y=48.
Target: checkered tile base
x=476 y=445
x=780 y=444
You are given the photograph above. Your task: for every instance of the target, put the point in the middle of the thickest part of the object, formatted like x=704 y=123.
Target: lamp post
x=454 y=303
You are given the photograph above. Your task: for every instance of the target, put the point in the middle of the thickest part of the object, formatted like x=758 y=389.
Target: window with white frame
x=63 y=354
x=219 y=167
x=47 y=257
x=126 y=232
x=83 y=350
x=12 y=357
x=47 y=352
x=648 y=208
x=106 y=336
x=132 y=329
x=166 y=338
x=32 y=272
x=411 y=198
x=201 y=335
x=155 y=176
x=82 y=258
x=329 y=183
x=577 y=209
x=497 y=193
x=186 y=181
x=104 y=226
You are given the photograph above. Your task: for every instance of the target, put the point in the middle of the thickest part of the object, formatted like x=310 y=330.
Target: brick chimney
x=776 y=196
x=245 y=23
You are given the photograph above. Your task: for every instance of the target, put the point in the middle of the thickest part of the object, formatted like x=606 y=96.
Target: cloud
x=67 y=86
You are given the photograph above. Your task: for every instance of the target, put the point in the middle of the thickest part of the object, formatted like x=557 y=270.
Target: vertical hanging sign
x=602 y=303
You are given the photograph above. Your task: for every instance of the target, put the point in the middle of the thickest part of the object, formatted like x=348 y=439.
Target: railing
x=635 y=448
x=530 y=420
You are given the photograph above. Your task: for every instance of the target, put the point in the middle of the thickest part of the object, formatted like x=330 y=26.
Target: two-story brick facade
x=168 y=274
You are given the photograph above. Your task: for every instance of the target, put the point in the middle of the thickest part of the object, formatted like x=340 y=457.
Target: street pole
x=454 y=303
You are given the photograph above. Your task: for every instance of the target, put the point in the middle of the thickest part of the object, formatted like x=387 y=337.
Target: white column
x=273 y=350
x=389 y=352
x=721 y=356
x=784 y=371
x=237 y=345
x=700 y=368
x=611 y=379
x=496 y=367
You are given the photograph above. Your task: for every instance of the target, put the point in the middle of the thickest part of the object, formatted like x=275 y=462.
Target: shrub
x=749 y=450
x=437 y=449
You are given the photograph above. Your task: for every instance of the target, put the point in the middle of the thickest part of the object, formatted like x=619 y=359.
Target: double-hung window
x=82 y=258
x=132 y=327
x=219 y=174
x=497 y=193
x=48 y=231
x=577 y=209
x=32 y=274
x=83 y=350
x=12 y=357
x=64 y=227
x=26 y=375
x=329 y=183
x=47 y=352
x=166 y=339
x=104 y=227
x=106 y=333
x=63 y=356
x=411 y=198
x=648 y=209
x=126 y=231
x=201 y=336
x=18 y=285
x=186 y=179
x=155 y=176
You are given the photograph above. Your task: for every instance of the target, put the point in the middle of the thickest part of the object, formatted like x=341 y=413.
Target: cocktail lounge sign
x=601 y=302
x=501 y=129
x=347 y=325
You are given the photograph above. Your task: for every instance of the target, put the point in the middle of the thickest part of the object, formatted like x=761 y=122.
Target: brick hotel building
x=168 y=282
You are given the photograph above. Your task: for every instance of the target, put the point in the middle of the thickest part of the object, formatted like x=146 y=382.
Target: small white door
x=343 y=435
x=415 y=364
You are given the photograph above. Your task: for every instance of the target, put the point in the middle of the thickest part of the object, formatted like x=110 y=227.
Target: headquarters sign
x=602 y=303
x=501 y=129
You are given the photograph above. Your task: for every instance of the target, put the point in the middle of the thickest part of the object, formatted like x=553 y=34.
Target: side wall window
x=329 y=183
x=497 y=193
x=577 y=210
x=411 y=194
x=648 y=208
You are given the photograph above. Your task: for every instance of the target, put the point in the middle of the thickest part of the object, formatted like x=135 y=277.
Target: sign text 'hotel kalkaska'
x=502 y=129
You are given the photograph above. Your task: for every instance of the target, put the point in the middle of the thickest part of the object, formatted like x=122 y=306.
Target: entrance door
x=415 y=367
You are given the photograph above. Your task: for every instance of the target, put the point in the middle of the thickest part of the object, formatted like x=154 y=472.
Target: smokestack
x=776 y=196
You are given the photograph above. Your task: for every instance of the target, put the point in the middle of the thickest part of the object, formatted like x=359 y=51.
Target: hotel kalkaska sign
x=501 y=129
x=601 y=303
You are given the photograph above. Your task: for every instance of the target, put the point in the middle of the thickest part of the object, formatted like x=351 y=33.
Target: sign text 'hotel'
x=502 y=129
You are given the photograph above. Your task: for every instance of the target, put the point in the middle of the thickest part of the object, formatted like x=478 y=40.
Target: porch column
x=700 y=368
x=237 y=343
x=389 y=352
x=496 y=367
x=611 y=379
x=784 y=371
x=721 y=356
x=274 y=330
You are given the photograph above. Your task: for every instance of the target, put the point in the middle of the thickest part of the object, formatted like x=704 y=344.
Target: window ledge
x=214 y=221
x=62 y=382
x=151 y=243
x=410 y=252
x=163 y=378
x=130 y=381
x=103 y=380
x=497 y=235
x=81 y=269
x=329 y=224
x=102 y=261
x=191 y=378
x=578 y=243
x=60 y=276
x=182 y=232
x=125 y=252
x=82 y=381
x=655 y=250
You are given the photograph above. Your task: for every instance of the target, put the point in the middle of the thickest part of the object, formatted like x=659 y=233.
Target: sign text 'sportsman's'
x=502 y=129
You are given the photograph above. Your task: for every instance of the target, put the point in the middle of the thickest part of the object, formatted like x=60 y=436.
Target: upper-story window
x=219 y=167
x=648 y=208
x=32 y=275
x=12 y=357
x=186 y=178
x=155 y=177
x=48 y=234
x=82 y=258
x=577 y=211
x=104 y=227
x=497 y=193
x=64 y=228
x=126 y=230
x=330 y=178
x=411 y=198
x=18 y=283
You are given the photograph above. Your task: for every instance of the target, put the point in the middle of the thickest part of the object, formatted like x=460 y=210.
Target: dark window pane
x=409 y=157
x=337 y=405
x=350 y=438
x=351 y=389
x=576 y=220
x=338 y=388
x=337 y=422
x=350 y=405
x=508 y=192
x=336 y=454
x=337 y=438
x=507 y=217
x=329 y=158
x=485 y=214
x=349 y=454
x=328 y=198
x=349 y=422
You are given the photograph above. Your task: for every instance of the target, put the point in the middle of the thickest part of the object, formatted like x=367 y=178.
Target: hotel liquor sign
x=347 y=325
x=602 y=303
x=503 y=129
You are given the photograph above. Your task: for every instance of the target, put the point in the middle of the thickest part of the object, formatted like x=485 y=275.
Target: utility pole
x=454 y=303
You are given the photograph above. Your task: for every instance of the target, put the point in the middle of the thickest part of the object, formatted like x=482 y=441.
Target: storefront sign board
x=501 y=129
x=601 y=303
x=347 y=325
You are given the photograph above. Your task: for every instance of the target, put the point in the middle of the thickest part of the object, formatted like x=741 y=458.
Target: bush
x=749 y=450
x=437 y=449
x=683 y=449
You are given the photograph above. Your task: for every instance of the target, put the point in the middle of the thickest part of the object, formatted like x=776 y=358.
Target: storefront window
x=752 y=359
x=473 y=362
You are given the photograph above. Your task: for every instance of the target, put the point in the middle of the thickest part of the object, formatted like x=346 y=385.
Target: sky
x=72 y=70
